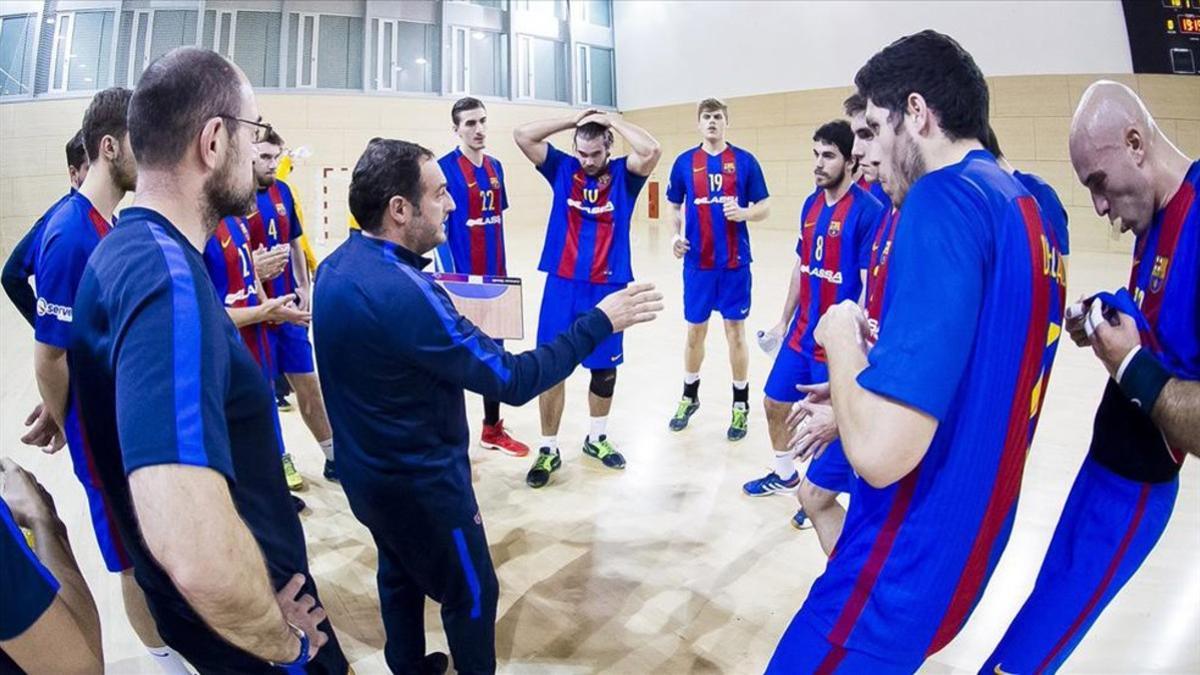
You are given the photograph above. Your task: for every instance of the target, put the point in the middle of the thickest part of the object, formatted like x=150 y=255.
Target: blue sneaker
x=800 y=520
x=771 y=484
x=683 y=413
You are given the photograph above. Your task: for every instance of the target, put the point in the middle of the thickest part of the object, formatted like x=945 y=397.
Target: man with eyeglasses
x=275 y=228
x=180 y=426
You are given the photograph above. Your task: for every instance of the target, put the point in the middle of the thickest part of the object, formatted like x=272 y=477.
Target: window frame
x=29 y=65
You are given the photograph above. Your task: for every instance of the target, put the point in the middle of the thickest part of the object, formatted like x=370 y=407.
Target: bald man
x=1149 y=340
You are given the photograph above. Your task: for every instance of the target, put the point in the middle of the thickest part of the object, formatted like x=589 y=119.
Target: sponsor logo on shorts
x=60 y=312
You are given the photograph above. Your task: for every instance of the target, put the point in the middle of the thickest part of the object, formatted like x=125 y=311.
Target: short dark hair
x=991 y=143
x=712 y=105
x=386 y=169
x=939 y=69
x=76 y=154
x=836 y=133
x=175 y=97
x=856 y=104
x=463 y=105
x=593 y=130
x=273 y=138
x=106 y=116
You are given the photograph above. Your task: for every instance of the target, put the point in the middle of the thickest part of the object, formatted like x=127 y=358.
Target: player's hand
x=815 y=393
x=269 y=263
x=844 y=321
x=1073 y=322
x=584 y=114
x=44 y=432
x=815 y=430
x=302 y=612
x=303 y=299
x=596 y=117
x=734 y=212
x=637 y=303
x=1113 y=343
x=680 y=246
x=285 y=310
x=26 y=498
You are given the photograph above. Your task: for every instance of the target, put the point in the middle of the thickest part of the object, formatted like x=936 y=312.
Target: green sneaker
x=687 y=408
x=546 y=463
x=737 y=425
x=606 y=452
x=294 y=480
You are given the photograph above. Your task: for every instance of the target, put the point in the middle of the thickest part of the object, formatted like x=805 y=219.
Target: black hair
x=76 y=154
x=463 y=105
x=106 y=116
x=991 y=143
x=386 y=169
x=593 y=130
x=856 y=104
x=176 y=96
x=940 y=70
x=837 y=133
x=273 y=138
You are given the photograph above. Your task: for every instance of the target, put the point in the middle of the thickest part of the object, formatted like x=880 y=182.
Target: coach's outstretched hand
x=637 y=303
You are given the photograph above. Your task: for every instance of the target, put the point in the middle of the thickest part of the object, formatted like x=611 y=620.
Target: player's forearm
x=793 y=294
x=189 y=523
x=246 y=316
x=53 y=379
x=758 y=211
x=300 y=265
x=54 y=551
x=677 y=218
x=641 y=143
x=1177 y=413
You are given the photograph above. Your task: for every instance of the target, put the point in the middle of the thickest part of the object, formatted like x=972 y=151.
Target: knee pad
x=604 y=380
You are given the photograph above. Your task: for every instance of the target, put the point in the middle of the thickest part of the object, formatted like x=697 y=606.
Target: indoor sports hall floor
x=666 y=567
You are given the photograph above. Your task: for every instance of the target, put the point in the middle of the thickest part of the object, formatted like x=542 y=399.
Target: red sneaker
x=496 y=438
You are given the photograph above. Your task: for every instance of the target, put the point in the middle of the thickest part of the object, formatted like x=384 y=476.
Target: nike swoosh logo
x=998 y=671
x=226 y=242
x=698 y=169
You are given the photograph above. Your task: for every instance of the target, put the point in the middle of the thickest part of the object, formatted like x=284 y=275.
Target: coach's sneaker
x=604 y=450
x=800 y=520
x=436 y=663
x=330 y=472
x=283 y=403
x=737 y=425
x=687 y=408
x=298 y=504
x=771 y=484
x=495 y=437
x=294 y=480
x=547 y=462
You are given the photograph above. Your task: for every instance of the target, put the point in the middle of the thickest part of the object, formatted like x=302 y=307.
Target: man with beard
x=724 y=189
x=71 y=235
x=275 y=226
x=937 y=420
x=835 y=239
x=475 y=230
x=586 y=258
x=179 y=422
x=1149 y=416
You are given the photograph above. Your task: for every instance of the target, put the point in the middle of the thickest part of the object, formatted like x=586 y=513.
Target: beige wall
x=1031 y=115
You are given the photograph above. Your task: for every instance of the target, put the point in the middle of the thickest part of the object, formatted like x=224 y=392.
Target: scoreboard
x=1164 y=35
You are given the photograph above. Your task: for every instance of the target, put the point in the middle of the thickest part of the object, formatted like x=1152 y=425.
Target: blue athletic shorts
x=291 y=348
x=564 y=301
x=720 y=290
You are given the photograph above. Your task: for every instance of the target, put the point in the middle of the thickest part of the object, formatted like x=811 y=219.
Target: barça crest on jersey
x=495 y=182
x=835 y=228
x=1159 y=273
x=729 y=167
x=604 y=180
x=280 y=209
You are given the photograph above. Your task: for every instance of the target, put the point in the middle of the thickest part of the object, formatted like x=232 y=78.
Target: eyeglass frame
x=261 y=130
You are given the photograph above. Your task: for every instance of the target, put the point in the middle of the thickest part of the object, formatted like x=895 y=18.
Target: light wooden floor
x=667 y=567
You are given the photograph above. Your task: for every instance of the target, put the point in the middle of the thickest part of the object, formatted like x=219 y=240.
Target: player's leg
x=494 y=436
x=821 y=507
x=555 y=316
x=1107 y=528
x=734 y=305
x=699 y=295
x=780 y=392
x=603 y=363
x=167 y=659
x=803 y=649
x=295 y=358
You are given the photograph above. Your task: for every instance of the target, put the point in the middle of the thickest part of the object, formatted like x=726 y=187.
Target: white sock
x=169 y=660
x=691 y=378
x=327 y=448
x=549 y=442
x=599 y=425
x=784 y=465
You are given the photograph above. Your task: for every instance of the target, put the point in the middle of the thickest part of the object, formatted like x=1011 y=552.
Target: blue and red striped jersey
x=834 y=245
x=229 y=263
x=973 y=308
x=72 y=233
x=877 y=269
x=275 y=221
x=475 y=229
x=587 y=237
x=1053 y=211
x=703 y=183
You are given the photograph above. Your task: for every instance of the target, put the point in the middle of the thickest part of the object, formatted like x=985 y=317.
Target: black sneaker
x=299 y=504
x=547 y=462
x=436 y=663
x=330 y=472
x=283 y=404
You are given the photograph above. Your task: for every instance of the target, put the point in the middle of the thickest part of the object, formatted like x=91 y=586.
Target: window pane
x=293 y=41
x=339 y=58
x=389 y=64
x=210 y=27
x=494 y=4
x=124 y=41
x=599 y=12
x=602 y=77
x=418 y=57
x=89 y=51
x=460 y=60
x=16 y=49
x=172 y=28
x=489 y=63
x=226 y=34
x=256 y=46
x=306 y=51
x=555 y=8
x=60 y=56
x=550 y=70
